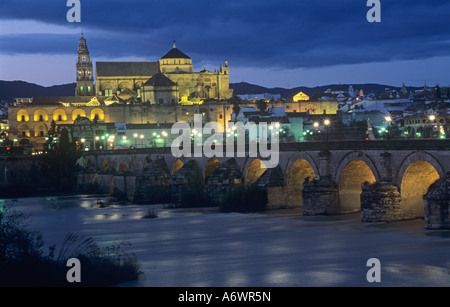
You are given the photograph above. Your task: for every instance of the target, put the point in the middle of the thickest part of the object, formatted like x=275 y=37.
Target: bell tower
x=85 y=77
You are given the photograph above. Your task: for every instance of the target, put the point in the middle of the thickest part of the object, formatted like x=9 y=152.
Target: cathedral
x=173 y=73
x=135 y=99
x=137 y=94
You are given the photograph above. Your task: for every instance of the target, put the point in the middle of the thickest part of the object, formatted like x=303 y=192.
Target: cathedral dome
x=175 y=53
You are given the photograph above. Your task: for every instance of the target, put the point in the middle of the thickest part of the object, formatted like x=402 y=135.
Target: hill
x=243 y=88
x=20 y=89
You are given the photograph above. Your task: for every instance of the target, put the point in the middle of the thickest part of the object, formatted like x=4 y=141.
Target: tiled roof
x=160 y=79
x=175 y=53
x=124 y=69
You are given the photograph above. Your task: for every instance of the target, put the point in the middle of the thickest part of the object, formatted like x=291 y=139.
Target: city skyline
x=271 y=44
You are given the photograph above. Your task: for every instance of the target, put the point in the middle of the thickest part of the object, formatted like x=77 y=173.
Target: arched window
x=99 y=113
x=78 y=113
x=40 y=115
x=41 y=130
x=59 y=115
x=22 y=116
x=24 y=131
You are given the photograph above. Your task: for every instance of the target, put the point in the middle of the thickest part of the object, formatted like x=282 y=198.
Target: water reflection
x=205 y=247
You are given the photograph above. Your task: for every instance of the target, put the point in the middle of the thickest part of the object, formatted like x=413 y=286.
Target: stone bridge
x=384 y=180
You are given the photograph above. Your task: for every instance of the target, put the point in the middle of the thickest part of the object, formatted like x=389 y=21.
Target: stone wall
x=437 y=202
x=381 y=203
x=320 y=197
x=222 y=181
x=153 y=184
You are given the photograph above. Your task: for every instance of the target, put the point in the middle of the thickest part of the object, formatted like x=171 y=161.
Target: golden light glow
x=59 y=115
x=78 y=113
x=353 y=176
x=100 y=114
x=40 y=115
x=22 y=116
x=299 y=171
x=254 y=171
x=415 y=183
x=300 y=97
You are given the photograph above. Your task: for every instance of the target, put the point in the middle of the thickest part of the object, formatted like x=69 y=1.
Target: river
x=202 y=247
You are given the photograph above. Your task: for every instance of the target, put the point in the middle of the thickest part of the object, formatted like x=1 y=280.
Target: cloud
x=256 y=33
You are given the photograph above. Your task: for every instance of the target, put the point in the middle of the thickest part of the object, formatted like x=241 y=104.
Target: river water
x=205 y=248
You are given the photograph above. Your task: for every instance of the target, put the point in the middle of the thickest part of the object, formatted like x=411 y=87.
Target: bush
x=119 y=195
x=194 y=196
x=244 y=199
x=90 y=188
x=23 y=263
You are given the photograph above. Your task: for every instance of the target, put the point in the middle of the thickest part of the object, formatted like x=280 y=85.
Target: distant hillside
x=243 y=88
x=20 y=89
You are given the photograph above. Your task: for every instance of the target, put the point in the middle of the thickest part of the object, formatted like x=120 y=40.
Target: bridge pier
x=187 y=187
x=272 y=183
x=381 y=203
x=153 y=184
x=221 y=181
x=320 y=197
x=436 y=203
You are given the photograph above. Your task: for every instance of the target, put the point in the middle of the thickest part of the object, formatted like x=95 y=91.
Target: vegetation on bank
x=243 y=198
x=25 y=262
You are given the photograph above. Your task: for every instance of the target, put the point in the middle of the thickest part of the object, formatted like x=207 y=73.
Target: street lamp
x=135 y=139
x=142 y=140
x=327 y=123
x=165 y=135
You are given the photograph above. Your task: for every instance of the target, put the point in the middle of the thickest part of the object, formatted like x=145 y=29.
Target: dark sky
x=273 y=43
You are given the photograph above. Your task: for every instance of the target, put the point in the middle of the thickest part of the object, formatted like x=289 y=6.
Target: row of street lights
x=326 y=123
x=158 y=138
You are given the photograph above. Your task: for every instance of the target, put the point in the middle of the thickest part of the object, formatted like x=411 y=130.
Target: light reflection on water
x=204 y=247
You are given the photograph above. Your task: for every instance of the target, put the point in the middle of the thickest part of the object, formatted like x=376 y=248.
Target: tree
x=437 y=93
x=235 y=101
x=59 y=164
x=261 y=105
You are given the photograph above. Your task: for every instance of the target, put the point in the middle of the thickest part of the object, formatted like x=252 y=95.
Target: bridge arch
x=123 y=167
x=253 y=169
x=105 y=166
x=417 y=156
x=298 y=171
x=354 y=170
x=177 y=164
x=357 y=155
x=301 y=156
x=418 y=171
x=211 y=165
